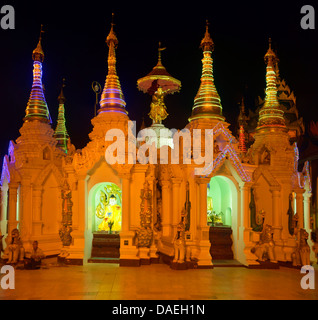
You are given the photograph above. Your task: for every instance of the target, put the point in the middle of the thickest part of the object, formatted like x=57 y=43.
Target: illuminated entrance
x=222 y=214
x=102 y=241
x=220 y=201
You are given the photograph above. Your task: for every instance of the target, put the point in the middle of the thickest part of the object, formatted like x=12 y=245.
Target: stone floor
x=156 y=282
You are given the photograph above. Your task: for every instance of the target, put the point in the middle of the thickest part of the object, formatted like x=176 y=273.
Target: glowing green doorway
x=220 y=201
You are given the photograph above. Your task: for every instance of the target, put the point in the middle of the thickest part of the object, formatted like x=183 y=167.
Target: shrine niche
x=219 y=201
x=265 y=157
x=107 y=208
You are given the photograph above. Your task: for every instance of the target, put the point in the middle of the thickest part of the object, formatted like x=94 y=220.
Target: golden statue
x=108 y=209
x=158 y=108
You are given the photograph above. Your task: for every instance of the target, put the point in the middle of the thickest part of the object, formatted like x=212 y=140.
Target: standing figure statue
x=15 y=249
x=158 y=108
x=179 y=244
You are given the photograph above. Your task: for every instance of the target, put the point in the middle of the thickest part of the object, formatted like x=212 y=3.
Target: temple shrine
x=251 y=206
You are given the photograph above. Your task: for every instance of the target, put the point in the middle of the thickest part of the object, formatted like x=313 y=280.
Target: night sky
x=75 y=49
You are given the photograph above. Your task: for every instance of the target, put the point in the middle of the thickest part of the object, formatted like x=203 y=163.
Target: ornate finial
x=207 y=43
x=38 y=54
x=61 y=98
x=159 y=54
x=111 y=38
x=270 y=56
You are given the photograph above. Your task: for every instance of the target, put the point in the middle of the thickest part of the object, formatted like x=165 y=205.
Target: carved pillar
x=306 y=208
x=36 y=210
x=26 y=203
x=128 y=251
x=166 y=221
x=12 y=216
x=176 y=209
x=300 y=207
x=125 y=202
x=5 y=207
x=245 y=216
x=205 y=259
x=276 y=213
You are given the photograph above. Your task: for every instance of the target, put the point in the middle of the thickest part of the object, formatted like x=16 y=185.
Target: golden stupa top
x=270 y=53
x=112 y=97
x=207 y=102
x=271 y=115
x=160 y=76
x=37 y=109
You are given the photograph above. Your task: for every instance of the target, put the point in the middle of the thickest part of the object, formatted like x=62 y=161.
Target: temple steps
x=105 y=248
x=221 y=243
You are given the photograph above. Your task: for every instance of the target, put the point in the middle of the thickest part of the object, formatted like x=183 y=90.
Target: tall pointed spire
x=271 y=115
x=112 y=98
x=60 y=133
x=37 y=108
x=207 y=102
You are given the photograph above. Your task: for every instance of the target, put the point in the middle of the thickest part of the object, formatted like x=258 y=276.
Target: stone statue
x=264 y=249
x=15 y=249
x=301 y=256
x=145 y=232
x=179 y=244
x=158 y=110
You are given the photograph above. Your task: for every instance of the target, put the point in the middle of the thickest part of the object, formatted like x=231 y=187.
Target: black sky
x=75 y=48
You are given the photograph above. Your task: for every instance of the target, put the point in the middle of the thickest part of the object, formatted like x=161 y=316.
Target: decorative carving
x=158 y=225
x=67 y=204
x=145 y=233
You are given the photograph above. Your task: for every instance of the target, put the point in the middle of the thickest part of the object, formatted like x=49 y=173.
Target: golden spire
x=112 y=98
x=207 y=102
x=271 y=115
x=37 y=108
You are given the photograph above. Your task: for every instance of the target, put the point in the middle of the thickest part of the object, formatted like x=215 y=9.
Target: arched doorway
x=222 y=216
x=104 y=222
